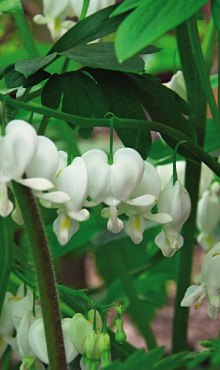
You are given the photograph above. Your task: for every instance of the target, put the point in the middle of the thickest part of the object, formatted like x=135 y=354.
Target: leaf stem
x=45 y=276
x=190 y=145
x=25 y=34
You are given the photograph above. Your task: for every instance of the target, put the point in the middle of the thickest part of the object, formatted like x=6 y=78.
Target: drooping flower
x=43 y=166
x=208 y=216
x=166 y=171
x=18 y=149
x=112 y=183
x=175 y=201
x=73 y=181
x=141 y=201
x=55 y=13
x=208 y=284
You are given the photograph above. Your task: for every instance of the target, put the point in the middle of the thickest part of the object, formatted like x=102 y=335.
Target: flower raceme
x=128 y=185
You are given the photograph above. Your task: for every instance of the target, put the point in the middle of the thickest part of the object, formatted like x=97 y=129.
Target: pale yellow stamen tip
x=197 y=305
x=137 y=224
x=15 y=298
x=59 y=173
x=66 y=223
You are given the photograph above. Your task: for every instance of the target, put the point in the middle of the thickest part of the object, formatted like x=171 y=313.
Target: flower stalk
x=45 y=276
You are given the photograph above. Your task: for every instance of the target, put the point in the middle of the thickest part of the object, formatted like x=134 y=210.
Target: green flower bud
x=120 y=335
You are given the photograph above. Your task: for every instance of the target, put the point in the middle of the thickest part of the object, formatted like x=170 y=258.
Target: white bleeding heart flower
x=175 y=201
x=18 y=149
x=73 y=181
x=141 y=201
x=208 y=216
x=37 y=340
x=208 y=284
x=165 y=172
x=112 y=183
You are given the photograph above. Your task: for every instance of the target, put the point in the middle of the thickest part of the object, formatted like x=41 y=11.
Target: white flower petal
x=114 y=225
x=46 y=160
x=18 y=148
x=191 y=294
x=135 y=228
x=143 y=200
x=64 y=228
x=53 y=196
x=98 y=174
x=126 y=173
x=22 y=334
x=6 y=206
x=36 y=183
x=73 y=180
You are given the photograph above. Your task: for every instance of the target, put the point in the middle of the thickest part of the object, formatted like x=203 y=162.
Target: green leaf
x=10 y=6
x=148 y=21
x=95 y=26
x=215 y=6
x=29 y=66
x=165 y=106
x=81 y=97
x=14 y=78
x=124 y=103
x=102 y=55
x=6 y=254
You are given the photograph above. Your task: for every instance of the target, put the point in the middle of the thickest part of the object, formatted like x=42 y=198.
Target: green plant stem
x=84 y=9
x=25 y=34
x=136 y=309
x=219 y=74
x=43 y=125
x=198 y=103
x=202 y=70
x=190 y=145
x=45 y=276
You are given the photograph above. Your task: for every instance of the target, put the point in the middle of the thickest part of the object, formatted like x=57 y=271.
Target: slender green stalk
x=25 y=34
x=136 y=309
x=208 y=44
x=84 y=9
x=219 y=74
x=3 y=117
x=43 y=125
x=198 y=103
x=123 y=123
x=45 y=276
x=202 y=70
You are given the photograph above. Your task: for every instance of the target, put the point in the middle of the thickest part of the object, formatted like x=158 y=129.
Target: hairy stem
x=45 y=276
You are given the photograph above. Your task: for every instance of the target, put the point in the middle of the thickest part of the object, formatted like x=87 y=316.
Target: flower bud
x=120 y=335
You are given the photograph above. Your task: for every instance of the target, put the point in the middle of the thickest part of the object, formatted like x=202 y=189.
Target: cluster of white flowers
x=129 y=185
x=24 y=332
x=56 y=11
